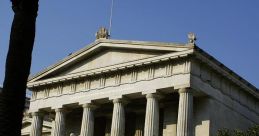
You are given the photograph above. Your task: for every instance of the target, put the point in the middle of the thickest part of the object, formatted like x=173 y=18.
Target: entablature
x=136 y=73
x=112 y=68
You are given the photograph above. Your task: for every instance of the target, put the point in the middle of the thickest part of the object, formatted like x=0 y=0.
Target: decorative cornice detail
x=112 y=79
x=108 y=69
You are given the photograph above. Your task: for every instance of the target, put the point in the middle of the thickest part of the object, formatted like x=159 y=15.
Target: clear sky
x=226 y=29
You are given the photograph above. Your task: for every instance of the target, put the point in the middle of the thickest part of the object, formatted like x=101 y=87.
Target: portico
x=132 y=88
x=143 y=119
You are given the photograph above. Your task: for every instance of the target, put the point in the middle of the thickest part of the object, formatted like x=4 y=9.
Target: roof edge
x=228 y=70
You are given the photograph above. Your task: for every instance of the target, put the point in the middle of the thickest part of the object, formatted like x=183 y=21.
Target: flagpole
x=110 y=25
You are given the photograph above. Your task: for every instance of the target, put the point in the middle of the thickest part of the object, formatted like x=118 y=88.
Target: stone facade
x=134 y=88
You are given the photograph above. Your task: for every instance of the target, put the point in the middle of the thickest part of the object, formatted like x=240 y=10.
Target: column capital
x=120 y=100
x=37 y=113
x=89 y=105
x=185 y=90
x=154 y=95
x=60 y=110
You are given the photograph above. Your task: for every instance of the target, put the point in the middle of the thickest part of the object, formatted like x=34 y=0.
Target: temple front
x=139 y=88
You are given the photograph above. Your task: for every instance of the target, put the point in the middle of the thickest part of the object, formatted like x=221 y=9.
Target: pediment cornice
x=108 y=43
x=112 y=68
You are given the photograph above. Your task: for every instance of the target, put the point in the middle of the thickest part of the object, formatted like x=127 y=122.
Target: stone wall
x=201 y=116
x=170 y=119
x=224 y=90
x=225 y=117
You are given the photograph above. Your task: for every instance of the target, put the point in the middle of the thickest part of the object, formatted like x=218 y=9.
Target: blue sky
x=226 y=29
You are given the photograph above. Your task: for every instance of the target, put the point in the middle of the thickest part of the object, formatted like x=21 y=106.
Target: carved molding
x=150 y=72
x=108 y=69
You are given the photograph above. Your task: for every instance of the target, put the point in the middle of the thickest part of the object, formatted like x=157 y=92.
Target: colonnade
x=184 y=122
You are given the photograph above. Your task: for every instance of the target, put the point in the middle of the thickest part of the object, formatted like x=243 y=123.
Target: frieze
x=112 y=68
x=80 y=85
x=87 y=84
x=114 y=78
x=118 y=78
x=151 y=72
x=102 y=81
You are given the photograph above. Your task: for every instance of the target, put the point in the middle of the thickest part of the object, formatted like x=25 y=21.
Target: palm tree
x=17 y=68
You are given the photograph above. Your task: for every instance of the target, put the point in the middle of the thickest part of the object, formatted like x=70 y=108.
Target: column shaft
x=152 y=116
x=59 y=127
x=87 y=127
x=36 y=126
x=185 y=111
x=118 y=118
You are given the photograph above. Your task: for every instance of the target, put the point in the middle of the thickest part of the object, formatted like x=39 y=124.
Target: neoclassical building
x=139 y=88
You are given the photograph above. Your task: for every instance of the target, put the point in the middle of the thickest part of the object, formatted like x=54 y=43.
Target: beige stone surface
x=170 y=119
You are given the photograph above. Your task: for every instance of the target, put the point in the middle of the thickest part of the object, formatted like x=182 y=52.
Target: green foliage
x=252 y=131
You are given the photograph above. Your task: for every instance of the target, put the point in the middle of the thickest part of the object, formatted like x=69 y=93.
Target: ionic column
x=152 y=116
x=36 y=125
x=118 y=118
x=87 y=127
x=185 y=111
x=59 y=127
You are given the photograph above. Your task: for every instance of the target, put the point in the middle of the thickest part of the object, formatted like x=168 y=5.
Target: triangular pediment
x=106 y=58
x=103 y=53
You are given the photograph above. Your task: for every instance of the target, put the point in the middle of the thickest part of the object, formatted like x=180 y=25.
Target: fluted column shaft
x=87 y=127
x=118 y=118
x=36 y=125
x=185 y=113
x=152 y=116
x=59 y=127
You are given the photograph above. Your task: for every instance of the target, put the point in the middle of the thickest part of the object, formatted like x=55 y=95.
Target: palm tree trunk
x=17 y=69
